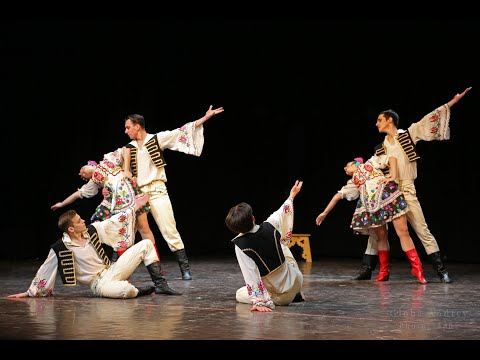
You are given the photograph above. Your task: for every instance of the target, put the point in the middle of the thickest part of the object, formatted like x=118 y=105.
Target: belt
x=94 y=282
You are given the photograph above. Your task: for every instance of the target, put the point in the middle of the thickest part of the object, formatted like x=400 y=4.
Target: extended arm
x=295 y=189
x=88 y=190
x=44 y=281
x=335 y=199
x=436 y=124
x=457 y=97
x=70 y=199
x=282 y=219
x=210 y=112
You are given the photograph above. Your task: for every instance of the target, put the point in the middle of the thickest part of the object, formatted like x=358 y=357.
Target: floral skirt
x=392 y=205
x=123 y=200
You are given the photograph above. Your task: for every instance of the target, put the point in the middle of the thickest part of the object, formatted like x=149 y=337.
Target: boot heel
x=384 y=259
x=381 y=277
x=420 y=277
x=417 y=268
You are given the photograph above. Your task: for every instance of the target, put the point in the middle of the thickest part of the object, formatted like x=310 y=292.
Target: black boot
x=181 y=256
x=114 y=256
x=439 y=267
x=161 y=285
x=145 y=291
x=298 y=298
x=369 y=263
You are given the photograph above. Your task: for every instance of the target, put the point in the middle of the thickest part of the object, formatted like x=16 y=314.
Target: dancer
x=119 y=192
x=401 y=144
x=379 y=202
x=147 y=164
x=270 y=271
x=80 y=258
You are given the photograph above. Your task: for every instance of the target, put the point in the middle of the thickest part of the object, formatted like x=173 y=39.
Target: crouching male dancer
x=271 y=274
x=80 y=257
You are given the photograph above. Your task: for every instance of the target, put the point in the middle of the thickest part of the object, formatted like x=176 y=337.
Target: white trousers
x=162 y=212
x=112 y=282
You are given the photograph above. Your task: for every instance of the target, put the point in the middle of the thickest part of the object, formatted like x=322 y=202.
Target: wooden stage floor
x=336 y=308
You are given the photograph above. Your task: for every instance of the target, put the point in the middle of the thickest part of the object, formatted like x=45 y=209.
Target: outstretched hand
x=210 y=112
x=320 y=218
x=260 y=308
x=296 y=188
x=19 y=295
x=457 y=97
x=58 y=205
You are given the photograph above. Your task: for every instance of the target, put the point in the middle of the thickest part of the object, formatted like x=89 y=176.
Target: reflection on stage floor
x=336 y=307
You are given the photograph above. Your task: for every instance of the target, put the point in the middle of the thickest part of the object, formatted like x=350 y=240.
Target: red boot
x=417 y=268
x=384 y=260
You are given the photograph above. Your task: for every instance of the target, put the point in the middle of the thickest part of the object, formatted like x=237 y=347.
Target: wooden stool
x=302 y=240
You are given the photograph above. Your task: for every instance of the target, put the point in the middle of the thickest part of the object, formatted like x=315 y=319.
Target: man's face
x=131 y=129
x=382 y=123
x=78 y=224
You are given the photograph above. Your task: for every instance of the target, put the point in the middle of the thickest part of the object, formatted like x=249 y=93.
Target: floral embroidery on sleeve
x=259 y=295
x=438 y=119
x=40 y=284
x=257 y=290
x=183 y=138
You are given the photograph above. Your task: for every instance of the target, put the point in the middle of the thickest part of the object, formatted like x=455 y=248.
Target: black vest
x=66 y=260
x=153 y=148
x=407 y=145
x=263 y=247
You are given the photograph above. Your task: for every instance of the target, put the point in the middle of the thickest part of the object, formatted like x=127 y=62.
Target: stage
x=336 y=307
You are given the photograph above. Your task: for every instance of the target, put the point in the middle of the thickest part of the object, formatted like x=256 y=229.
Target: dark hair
x=391 y=114
x=240 y=218
x=136 y=119
x=65 y=220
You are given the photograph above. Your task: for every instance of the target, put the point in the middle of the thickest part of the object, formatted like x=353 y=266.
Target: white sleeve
x=44 y=281
x=349 y=191
x=257 y=292
x=115 y=157
x=119 y=230
x=282 y=219
x=433 y=126
x=88 y=190
x=187 y=139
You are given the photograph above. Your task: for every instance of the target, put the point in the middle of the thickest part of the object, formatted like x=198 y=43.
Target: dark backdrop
x=301 y=97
